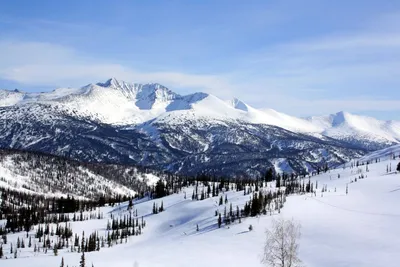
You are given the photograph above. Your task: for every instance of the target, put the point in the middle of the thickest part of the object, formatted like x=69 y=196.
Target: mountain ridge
x=158 y=99
x=148 y=124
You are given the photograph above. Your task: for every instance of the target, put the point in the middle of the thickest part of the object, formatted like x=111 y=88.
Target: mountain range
x=150 y=125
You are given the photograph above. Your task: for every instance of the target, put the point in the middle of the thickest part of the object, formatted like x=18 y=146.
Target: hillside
x=360 y=226
x=52 y=176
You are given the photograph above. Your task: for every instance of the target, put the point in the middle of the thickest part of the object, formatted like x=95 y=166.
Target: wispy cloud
x=324 y=73
x=47 y=64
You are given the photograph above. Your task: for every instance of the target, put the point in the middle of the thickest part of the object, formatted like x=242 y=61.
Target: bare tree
x=281 y=244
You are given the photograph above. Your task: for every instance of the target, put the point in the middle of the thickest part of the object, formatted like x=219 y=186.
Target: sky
x=309 y=57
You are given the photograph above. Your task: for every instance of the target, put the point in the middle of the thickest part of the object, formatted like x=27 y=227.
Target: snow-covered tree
x=281 y=244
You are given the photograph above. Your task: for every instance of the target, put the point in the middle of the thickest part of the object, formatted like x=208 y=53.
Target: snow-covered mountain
x=52 y=176
x=151 y=125
x=389 y=153
x=348 y=127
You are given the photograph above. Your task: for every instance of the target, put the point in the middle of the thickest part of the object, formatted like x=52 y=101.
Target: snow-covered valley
x=357 y=228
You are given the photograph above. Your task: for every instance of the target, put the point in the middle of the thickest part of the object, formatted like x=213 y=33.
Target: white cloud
x=35 y=63
x=300 y=78
x=328 y=74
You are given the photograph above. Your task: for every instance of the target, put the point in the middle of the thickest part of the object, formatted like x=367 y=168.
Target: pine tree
x=55 y=250
x=269 y=176
x=398 y=167
x=278 y=181
x=30 y=242
x=160 y=189
x=213 y=190
x=226 y=199
x=219 y=220
x=130 y=205
x=221 y=201
x=82 y=261
x=83 y=242
x=62 y=262
x=1 y=252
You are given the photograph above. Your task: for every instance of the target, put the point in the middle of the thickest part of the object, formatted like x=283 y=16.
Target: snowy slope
x=338 y=229
x=9 y=98
x=344 y=125
x=53 y=176
x=383 y=154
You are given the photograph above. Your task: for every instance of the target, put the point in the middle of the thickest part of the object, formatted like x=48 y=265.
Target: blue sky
x=306 y=57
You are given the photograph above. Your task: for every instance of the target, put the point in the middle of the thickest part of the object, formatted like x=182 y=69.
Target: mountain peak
x=340 y=117
x=127 y=86
x=238 y=104
x=112 y=82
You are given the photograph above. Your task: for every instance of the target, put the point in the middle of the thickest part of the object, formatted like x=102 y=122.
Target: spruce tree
x=269 y=176
x=82 y=261
x=398 y=167
x=213 y=190
x=83 y=241
x=55 y=250
x=278 y=181
x=62 y=262
x=130 y=205
x=219 y=220
x=1 y=252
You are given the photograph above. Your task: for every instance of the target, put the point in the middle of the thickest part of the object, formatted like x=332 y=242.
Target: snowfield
x=360 y=228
